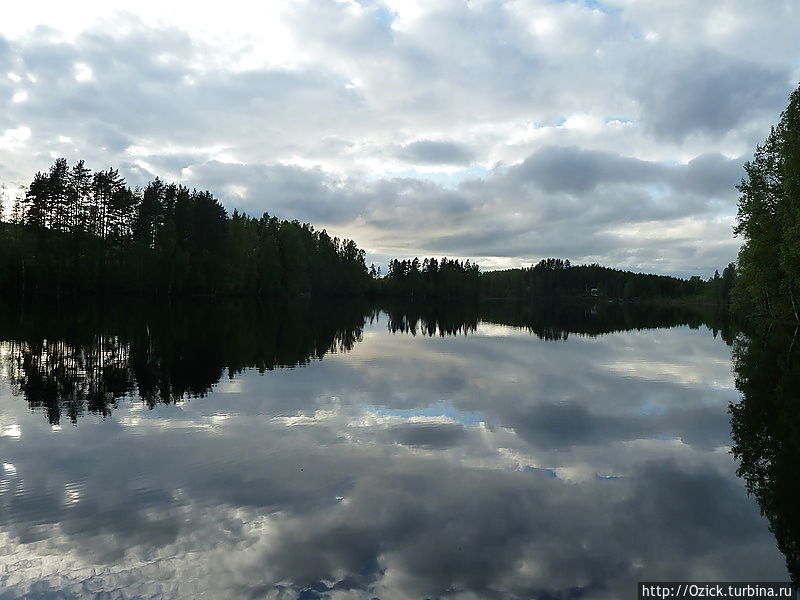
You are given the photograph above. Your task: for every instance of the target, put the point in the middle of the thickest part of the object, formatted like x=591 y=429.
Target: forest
x=553 y=277
x=74 y=232
x=549 y=279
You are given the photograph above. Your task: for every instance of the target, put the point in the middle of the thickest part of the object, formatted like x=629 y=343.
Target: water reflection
x=765 y=426
x=491 y=465
x=551 y=320
x=68 y=360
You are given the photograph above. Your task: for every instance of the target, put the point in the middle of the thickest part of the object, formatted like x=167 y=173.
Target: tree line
x=430 y=278
x=554 y=277
x=74 y=231
x=550 y=278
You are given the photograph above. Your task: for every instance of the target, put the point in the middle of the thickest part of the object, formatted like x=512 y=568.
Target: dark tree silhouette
x=765 y=425
x=76 y=231
x=80 y=359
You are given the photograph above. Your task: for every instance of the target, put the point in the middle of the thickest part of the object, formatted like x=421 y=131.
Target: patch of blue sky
x=665 y=438
x=380 y=13
x=551 y=473
x=560 y=122
x=658 y=190
x=651 y=409
x=443 y=408
x=594 y=5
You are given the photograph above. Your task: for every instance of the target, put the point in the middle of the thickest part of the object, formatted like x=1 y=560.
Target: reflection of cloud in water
x=410 y=526
x=676 y=372
x=477 y=466
x=12 y=431
x=488 y=329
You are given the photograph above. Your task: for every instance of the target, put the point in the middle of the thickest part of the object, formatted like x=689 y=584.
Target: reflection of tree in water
x=766 y=433
x=432 y=318
x=558 y=320
x=552 y=321
x=64 y=377
x=68 y=362
x=73 y=359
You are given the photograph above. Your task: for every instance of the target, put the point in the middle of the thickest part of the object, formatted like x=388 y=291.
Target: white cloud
x=83 y=72
x=11 y=139
x=358 y=101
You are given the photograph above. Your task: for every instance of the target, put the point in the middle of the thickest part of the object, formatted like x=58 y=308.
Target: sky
x=503 y=131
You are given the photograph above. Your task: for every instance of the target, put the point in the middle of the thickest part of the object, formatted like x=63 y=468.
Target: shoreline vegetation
x=74 y=233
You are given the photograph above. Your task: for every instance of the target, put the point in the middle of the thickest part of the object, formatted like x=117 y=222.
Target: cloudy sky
x=504 y=130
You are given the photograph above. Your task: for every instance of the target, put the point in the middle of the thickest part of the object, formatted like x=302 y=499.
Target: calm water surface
x=345 y=453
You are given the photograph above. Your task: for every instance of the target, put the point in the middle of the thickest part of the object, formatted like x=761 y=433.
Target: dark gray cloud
x=427 y=435
x=709 y=175
x=577 y=171
x=286 y=191
x=705 y=92
x=428 y=152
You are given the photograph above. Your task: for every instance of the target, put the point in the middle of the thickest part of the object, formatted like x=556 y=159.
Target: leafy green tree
x=769 y=221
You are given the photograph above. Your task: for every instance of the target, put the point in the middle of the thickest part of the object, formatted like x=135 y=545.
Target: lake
x=351 y=451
